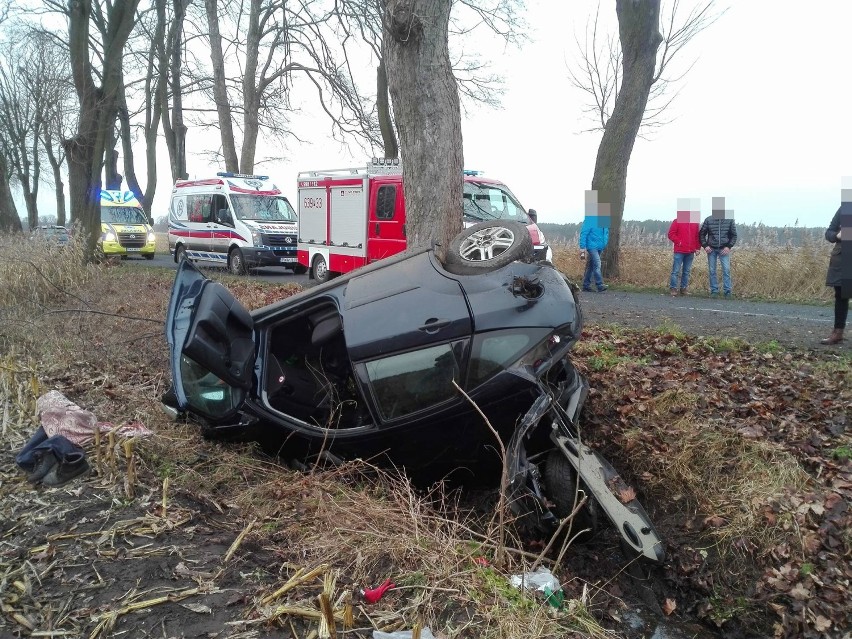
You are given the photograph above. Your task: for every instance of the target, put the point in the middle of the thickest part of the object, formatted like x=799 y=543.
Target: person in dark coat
x=718 y=236
x=839 y=274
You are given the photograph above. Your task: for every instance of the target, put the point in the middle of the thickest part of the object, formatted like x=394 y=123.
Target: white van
x=234 y=220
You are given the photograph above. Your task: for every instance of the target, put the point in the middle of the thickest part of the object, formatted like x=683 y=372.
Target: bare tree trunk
x=112 y=177
x=426 y=104
x=169 y=47
x=85 y=151
x=639 y=31
x=59 y=187
x=127 y=149
x=251 y=101
x=383 y=107
x=178 y=127
x=220 y=92
x=9 y=220
x=32 y=207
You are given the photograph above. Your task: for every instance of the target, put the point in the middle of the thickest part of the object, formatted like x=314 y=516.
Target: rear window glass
x=493 y=352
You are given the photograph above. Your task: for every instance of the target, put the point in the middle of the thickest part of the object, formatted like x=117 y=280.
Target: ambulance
x=124 y=226
x=234 y=220
x=351 y=217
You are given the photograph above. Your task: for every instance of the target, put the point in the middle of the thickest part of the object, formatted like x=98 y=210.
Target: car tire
x=320 y=270
x=149 y=257
x=487 y=246
x=300 y=269
x=180 y=253
x=560 y=480
x=236 y=262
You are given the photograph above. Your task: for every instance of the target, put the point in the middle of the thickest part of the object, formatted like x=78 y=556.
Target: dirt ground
x=105 y=556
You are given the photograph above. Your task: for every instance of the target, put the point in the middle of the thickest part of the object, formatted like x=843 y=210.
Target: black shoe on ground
x=588 y=290
x=71 y=467
x=45 y=461
x=603 y=288
x=728 y=295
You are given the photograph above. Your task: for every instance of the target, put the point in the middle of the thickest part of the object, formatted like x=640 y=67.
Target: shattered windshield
x=263 y=208
x=123 y=215
x=483 y=202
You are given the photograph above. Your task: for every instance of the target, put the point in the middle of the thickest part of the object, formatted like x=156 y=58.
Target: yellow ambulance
x=124 y=226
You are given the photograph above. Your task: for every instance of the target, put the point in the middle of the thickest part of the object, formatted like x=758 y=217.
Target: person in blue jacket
x=594 y=236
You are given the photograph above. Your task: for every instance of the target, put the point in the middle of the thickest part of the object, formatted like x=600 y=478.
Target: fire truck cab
x=354 y=216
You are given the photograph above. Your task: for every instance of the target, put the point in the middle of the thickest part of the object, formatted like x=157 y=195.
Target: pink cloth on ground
x=60 y=416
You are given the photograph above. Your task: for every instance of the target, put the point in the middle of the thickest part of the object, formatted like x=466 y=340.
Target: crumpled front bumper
x=617 y=500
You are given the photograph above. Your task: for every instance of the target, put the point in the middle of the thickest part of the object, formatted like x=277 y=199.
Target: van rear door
x=386 y=221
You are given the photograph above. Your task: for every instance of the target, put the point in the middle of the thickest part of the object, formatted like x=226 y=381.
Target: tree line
x=655 y=233
x=89 y=89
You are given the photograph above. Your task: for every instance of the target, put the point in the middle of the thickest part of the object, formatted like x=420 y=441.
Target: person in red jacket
x=684 y=235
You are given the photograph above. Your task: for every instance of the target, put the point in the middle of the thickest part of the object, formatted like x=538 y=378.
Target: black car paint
x=404 y=304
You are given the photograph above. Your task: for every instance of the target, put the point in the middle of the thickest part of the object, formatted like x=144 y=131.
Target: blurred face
x=688 y=210
x=597 y=213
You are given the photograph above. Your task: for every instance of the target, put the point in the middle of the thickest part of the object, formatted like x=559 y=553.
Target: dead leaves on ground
x=800 y=404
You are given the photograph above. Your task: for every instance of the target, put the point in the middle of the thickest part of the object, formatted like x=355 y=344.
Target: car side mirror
x=533 y=216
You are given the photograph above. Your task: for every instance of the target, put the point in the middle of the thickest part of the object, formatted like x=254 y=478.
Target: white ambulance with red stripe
x=234 y=220
x=351 y=217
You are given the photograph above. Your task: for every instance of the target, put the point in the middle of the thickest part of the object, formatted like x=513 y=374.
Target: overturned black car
x=371 y=365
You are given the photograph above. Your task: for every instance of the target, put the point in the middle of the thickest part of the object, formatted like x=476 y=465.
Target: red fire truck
x=351 y=217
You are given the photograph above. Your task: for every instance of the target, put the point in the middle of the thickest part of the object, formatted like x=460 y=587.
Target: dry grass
x=767 y=268
x=35 y=272
x=97 y=337
x=714 y=468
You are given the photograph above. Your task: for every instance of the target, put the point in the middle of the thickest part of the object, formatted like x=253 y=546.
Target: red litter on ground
x=372 y=595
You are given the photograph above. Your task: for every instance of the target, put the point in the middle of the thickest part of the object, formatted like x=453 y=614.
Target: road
x=796 y=325
x=272 y=274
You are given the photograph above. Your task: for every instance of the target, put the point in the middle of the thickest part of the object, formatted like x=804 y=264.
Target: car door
x=386 y=224
x=212 y=345
x=221 y=225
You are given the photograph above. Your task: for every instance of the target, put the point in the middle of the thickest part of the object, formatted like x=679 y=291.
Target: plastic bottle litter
x=425 y=633
x=541 y=580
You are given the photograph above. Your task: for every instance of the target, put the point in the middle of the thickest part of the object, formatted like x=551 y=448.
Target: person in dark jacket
x=683 y=233
x=718 y=235
x=839 y=274
x=594 y=235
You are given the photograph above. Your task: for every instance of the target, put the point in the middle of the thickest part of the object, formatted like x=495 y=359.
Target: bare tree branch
x=597 y=71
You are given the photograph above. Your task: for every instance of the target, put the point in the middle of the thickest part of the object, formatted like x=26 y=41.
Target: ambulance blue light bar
x=229 y=174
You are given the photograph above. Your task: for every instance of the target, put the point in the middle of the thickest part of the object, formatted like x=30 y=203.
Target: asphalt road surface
x=274 y=274
x=797 y=325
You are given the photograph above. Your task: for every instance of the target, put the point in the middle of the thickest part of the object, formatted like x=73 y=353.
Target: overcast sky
x=762 y=118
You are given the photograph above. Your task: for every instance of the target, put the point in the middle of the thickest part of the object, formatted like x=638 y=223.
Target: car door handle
x=378 y=233
x=434 y=325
